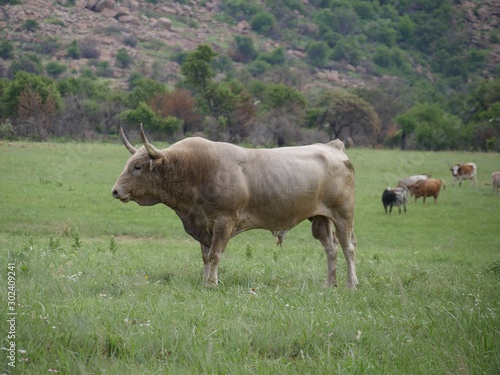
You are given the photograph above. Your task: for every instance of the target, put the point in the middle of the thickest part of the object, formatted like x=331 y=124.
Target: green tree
x=245 y=48
x=54 y=69
x=151 y=119
x=31 y=25
x=432 y=128
x=198 y=69
x=317 y=52
x=344 y=114
x=73 y=50
x=283 y=96
x=44 y=87
x=263 y=23
x=123 y=59
x=6 y=49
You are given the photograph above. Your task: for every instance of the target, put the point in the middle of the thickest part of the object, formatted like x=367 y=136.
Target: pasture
x=106 y=287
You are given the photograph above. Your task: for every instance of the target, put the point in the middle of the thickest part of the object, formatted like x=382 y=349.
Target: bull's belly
x=285 y=220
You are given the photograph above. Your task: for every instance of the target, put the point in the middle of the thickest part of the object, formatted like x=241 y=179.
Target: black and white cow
x=394 y=197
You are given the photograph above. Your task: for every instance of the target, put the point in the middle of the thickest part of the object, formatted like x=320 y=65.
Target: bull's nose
x=115 y=193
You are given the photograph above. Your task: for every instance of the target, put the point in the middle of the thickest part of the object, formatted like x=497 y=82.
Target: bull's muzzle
x=119 y=194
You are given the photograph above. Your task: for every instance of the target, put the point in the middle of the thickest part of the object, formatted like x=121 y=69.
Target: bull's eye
x=137 y=167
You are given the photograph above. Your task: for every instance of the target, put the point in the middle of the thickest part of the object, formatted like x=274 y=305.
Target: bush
x=263 y=23
x=89 y=49
x=55 y=69
x=6 y=49
x=258 y=68
x=123 y=60
x=317 y=52
x=276 y=57
x=245 y=49
x=31 y=25
x=73 y=50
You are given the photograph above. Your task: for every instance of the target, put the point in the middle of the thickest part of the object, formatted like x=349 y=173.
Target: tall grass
x=105 y=287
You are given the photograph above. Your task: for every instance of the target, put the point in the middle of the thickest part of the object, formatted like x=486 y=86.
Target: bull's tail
x=444 y=185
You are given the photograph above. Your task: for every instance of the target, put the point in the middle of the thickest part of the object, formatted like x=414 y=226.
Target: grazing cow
x=428 y=188
x=220 y=190
x=394 y=197
x=496 y=182
x=466 y=171
x=406 y=182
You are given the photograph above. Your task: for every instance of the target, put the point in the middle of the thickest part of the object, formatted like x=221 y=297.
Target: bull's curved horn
x=127 y=144
x=152 y=150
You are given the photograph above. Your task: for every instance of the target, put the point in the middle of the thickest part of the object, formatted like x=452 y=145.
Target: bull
x=394 y=197
x=427 y=188
x=466 y=171
x=219 y=190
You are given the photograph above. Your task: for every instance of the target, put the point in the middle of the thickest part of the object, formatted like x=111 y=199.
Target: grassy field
x=106 y=287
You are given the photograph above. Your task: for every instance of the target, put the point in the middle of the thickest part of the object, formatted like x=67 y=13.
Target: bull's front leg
x=222 y=231
x=205 y=251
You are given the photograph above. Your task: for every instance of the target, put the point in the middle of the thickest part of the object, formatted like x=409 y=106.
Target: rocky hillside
x=151 y=32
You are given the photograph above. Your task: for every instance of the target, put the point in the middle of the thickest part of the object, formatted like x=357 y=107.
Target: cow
x=466 y=171
x=219 y=190
x=394 y=197
x=496 y=182
x=406 y=182
x=427 y=188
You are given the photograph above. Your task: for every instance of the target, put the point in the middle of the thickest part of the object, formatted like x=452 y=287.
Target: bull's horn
x=152 y=150
x=127 y=144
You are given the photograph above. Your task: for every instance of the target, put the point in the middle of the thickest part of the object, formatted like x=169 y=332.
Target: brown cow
x=219 y=190
x=427 y=188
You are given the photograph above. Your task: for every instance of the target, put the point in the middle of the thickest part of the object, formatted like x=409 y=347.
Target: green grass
x=105 y=287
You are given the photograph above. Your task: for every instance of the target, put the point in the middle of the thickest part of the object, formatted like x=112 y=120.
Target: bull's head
x=139 y=179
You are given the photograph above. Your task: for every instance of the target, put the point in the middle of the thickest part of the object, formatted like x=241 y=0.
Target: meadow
x=105 y=287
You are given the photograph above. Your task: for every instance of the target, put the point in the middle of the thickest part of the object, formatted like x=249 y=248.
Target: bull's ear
x=153 y=152
x=127 y=144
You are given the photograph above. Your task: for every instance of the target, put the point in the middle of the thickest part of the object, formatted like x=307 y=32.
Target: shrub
x=245 y=49
x=30 y=63
x=6 y=49
x=276 y=57
x=317 y=52
x=73 y=50
x=123 y=60
x=89 y=49
x=55 y=69
x=30 y=25
x=263 y=23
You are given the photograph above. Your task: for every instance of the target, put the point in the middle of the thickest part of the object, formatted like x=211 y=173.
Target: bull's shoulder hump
x=338 y=144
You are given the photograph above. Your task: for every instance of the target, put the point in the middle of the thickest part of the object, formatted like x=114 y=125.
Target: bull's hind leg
x=345 y=234
x=322 y=230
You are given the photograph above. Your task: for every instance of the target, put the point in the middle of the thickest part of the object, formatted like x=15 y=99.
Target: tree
x=73 y=50
x=179 y=104
x=245 y=51
x=317 y=52
x=146 y=115
x=343 y=114
x=32 y=85
x=431 y=127
x=198 y=69
x=263 y=23
x=123 y=60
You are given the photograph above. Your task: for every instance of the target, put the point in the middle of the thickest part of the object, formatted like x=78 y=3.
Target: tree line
x=39 y=107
